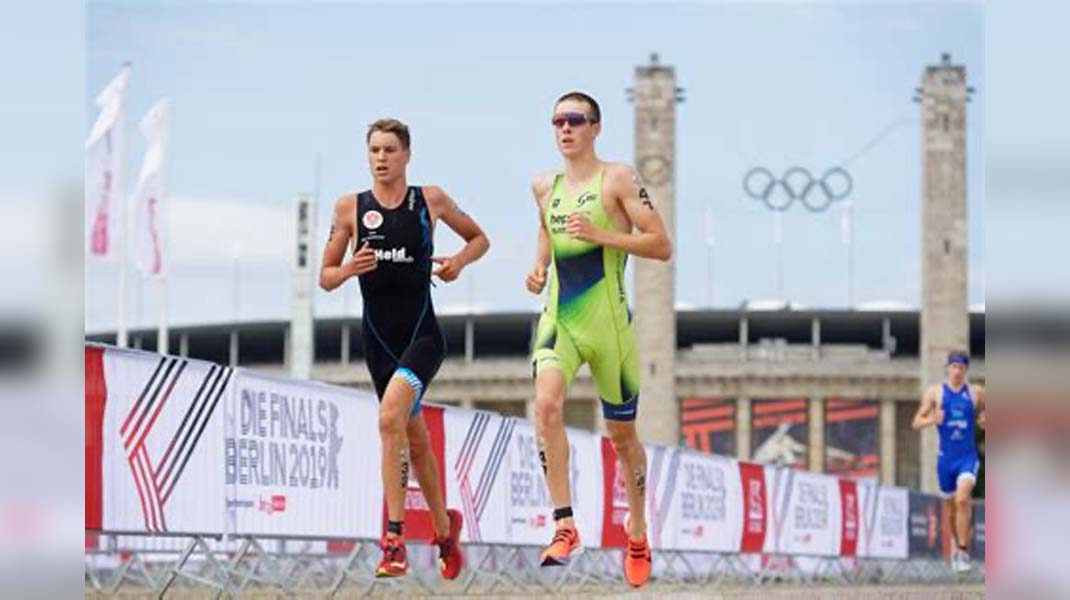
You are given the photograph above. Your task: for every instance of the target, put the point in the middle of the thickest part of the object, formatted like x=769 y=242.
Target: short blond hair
x=393 y=126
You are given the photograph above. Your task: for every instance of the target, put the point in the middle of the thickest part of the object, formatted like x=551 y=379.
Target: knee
x=391 y=423
x=549 y=410
x=624 y=439
x=962 y=503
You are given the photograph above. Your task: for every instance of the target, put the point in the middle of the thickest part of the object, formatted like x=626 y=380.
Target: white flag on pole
x=103 y=163
x=150 y=195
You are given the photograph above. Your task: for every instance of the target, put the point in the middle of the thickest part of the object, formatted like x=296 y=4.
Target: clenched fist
x=536 y=279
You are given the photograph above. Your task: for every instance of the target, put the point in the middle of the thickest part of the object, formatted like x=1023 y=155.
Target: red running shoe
x=395 y=561
x=450 y=556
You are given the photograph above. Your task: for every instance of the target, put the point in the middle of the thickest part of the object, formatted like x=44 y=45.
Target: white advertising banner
x=661 y=481
x=477 y=477
x=189 y=447
x=707 y=505
x=884 y=521
x=301 y=459
x=530 y=508
x=806 y=513
x=163 y=443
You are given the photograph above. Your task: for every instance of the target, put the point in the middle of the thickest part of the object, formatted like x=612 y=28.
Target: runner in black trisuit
x=389 y=231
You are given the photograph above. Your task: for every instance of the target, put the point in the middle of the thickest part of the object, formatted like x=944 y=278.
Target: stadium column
x=744 y=337
x=655 y=96
x=816 y=424
x=302 y=346
x=469 y=339
x=887 y=441
x=743 y=428
x=345 y=343
x=234 y=346
x=944 y=318
x=286 y=347
x=815 y=337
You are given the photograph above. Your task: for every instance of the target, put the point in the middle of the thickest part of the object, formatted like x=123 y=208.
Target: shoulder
x=622 y=176
x=542 y=185
x=345 y=204
x=435 y=195
x=977 y=390
x=542 y=182
x=934 y=390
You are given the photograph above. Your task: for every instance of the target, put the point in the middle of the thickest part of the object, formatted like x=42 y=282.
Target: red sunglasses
x=574 y=119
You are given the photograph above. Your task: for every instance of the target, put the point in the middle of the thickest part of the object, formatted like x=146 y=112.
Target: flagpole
x=778 y=234
x=121 y=339
x=848 y=226
x=709 y=256
x=163 y=342
x=139 y=316
x=163 y=345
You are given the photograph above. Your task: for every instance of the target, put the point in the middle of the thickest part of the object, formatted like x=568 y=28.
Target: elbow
x=325 y=284
x=665 y=251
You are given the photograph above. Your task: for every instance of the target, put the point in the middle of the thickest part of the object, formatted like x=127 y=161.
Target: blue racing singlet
x=957 y=429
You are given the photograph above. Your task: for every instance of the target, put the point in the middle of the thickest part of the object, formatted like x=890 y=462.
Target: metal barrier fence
x=236 y=566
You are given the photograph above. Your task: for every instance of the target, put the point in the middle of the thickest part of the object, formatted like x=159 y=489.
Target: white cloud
x=208 y=232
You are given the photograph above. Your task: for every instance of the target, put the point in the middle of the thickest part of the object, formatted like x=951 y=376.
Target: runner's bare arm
x=476 y=243
x=928 y=410
x=536 y=279
x=651 y=240
x=333 y=271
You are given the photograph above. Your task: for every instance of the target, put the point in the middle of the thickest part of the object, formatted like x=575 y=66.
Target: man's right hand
x=363 y=261
x=536 y=279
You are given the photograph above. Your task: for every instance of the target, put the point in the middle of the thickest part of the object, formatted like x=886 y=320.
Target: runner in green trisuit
x=592 y=215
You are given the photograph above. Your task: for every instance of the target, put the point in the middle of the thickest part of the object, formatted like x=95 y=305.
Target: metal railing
x=235 y=566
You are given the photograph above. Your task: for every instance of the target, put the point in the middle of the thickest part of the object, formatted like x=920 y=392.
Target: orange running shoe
x=395 y=561
x=637 y=560
x=559 y=552
x=450 y=557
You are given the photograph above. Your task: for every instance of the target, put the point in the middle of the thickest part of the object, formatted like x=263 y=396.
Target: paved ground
x=777 y=592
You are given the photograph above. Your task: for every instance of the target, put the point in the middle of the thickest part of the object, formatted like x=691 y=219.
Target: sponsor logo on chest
x=373 y=219
x=394 y=255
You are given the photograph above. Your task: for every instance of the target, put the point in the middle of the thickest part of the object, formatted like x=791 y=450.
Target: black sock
x=562 y=513
x=395 y=527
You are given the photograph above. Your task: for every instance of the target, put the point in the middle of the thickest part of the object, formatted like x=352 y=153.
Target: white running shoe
x=963 y=563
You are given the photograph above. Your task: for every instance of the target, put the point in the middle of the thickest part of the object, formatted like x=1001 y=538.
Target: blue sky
x=259 y=90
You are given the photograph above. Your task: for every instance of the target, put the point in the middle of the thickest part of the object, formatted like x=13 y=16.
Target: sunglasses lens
x=573 y=119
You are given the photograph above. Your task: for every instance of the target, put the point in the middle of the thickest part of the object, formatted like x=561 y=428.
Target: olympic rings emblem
x=798 y=183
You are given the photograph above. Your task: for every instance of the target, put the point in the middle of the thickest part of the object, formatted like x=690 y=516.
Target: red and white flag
x=103 y=162
x=150 y=195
